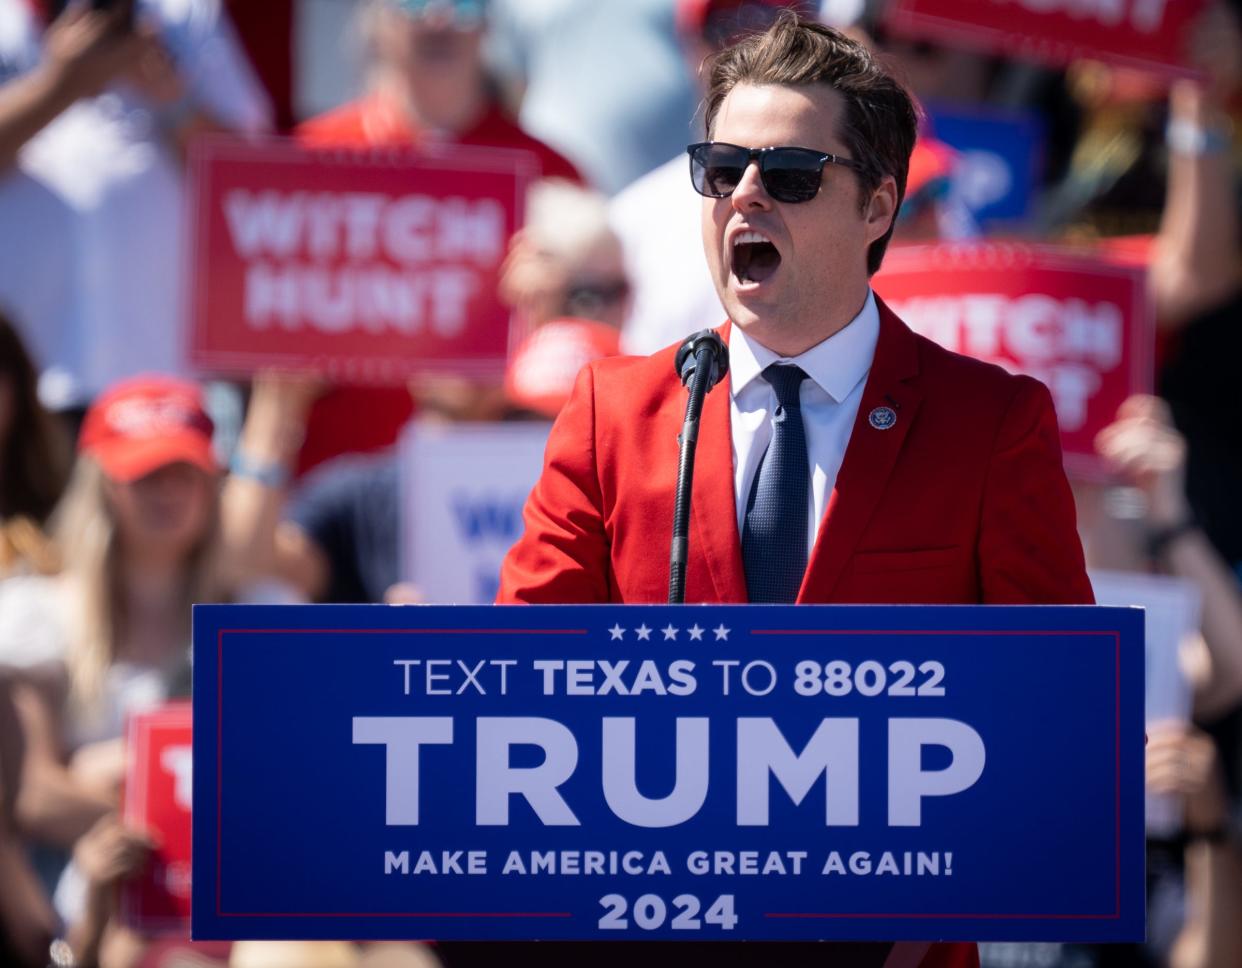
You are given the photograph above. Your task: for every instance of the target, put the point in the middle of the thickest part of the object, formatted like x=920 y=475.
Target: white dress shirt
x=836 y=372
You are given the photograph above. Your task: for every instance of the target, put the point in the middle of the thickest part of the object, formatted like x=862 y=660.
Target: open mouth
x=754 y=258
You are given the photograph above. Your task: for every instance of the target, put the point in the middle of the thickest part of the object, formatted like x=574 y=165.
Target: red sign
x=157 y=798
x=366 y=265
x=1081 y=325
x=1144 y=34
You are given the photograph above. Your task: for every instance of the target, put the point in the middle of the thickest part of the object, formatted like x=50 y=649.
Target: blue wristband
x=269 y=475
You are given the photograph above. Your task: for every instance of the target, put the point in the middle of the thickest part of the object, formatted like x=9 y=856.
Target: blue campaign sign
x=999 y=153
x=663 y=772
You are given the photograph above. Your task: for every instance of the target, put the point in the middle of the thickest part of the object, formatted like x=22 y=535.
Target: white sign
x=463 y=488
x=1172 y=608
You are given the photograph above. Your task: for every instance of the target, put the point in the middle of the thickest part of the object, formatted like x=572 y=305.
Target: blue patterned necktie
x=774 y=533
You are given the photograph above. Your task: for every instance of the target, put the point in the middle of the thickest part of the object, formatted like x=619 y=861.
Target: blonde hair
x=563 y=219
x=86 y=534
x=25 y=548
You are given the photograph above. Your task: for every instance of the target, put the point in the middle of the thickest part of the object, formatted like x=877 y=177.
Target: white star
x=696 y=633
x=721 y=632
x=617 y=632
x=669 y=632
x=644 y=633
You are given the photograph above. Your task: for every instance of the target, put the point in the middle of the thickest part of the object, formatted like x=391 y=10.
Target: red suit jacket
x=961 y=500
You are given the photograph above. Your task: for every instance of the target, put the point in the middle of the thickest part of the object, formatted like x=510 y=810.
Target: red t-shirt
x=358 y=419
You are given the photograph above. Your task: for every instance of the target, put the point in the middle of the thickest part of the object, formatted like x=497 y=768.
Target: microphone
x=701 y=362
x=690 y=358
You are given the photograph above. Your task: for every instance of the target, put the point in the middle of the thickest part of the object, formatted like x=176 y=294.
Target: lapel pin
x=882 y=418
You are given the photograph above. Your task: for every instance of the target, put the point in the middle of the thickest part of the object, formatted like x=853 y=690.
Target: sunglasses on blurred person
x=788 y=173
x=463 y=14
x=586 y=300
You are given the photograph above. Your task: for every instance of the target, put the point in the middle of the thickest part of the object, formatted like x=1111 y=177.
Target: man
x=97 y=110
x=673 y=291
x=869 y=465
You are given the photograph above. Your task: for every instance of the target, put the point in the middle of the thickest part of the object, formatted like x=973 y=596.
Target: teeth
x=745 y=237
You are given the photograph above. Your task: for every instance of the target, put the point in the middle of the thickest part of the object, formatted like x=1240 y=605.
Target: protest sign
x=366 y=265
x=1081 y=325
x=1172 y=607
x=662 y=772
x=463 y=488
x=157 y=799
x=998 y=157
x=1144 y=34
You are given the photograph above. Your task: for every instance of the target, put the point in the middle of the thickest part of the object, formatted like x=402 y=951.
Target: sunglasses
x=788 y=174
x=584 y=299
x=466 y=14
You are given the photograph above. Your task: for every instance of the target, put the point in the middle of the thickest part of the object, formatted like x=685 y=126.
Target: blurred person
x=1147 y=525
x=109 y=636
x=331 y=954
x=108 y=853
x=657 y=219
x=1197 y=262
x=27 y=922
x=337 y=537
x=567 y=261
x=605 y=83
x=1149 y=455
x=293 y=954
x=931 y=211
x=97 y=108
x=34 y=460
x=1182 y=762
x=427 y=84
x=1196 y=277
x=1113 y=182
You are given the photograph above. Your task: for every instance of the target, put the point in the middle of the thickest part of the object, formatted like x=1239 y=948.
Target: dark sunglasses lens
x=717 y=169
x=790 y=175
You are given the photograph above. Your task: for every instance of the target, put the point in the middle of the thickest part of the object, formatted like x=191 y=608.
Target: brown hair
x=881 y=120
x=34 y=451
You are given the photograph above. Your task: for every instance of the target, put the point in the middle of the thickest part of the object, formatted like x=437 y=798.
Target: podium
x=705 y=773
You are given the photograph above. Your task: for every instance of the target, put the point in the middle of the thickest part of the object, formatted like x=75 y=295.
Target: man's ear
x=881 y=208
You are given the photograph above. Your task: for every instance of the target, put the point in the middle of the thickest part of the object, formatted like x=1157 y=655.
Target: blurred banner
x=1143 y=34
x=697 y=772
x=1172 y=608
x=1080 y=324
x=999 y=153
x=463 y=488
x=365 y=265
x=157 y=799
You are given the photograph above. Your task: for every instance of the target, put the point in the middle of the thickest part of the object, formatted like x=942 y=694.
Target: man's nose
x=750 y=193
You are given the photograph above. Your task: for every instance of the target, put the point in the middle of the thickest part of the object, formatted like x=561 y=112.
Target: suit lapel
x=870 y=456
x=713 y=509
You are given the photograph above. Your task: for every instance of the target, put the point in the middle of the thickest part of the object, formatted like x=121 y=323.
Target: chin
x=747 y=312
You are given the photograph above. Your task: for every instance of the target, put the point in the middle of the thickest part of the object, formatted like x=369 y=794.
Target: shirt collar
x=837 y=364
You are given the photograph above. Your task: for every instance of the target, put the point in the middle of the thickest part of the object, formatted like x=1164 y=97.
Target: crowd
x=131 y=486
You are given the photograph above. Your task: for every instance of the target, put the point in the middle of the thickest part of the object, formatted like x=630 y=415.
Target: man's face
x=808 y=278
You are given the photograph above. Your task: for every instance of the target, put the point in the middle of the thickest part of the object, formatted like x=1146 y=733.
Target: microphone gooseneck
x=701 y=362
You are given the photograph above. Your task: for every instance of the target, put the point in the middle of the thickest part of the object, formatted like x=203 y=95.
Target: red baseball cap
x=542 y=372
x=931 y=163
x=140 y=425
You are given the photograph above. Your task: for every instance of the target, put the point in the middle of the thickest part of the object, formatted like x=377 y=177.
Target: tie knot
x=786 y=379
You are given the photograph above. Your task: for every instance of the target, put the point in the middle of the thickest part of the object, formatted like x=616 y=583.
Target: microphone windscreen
x=686 y=361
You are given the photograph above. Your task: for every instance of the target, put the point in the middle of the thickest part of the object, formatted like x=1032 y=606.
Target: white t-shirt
x=34 y=631
x=91 y=261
